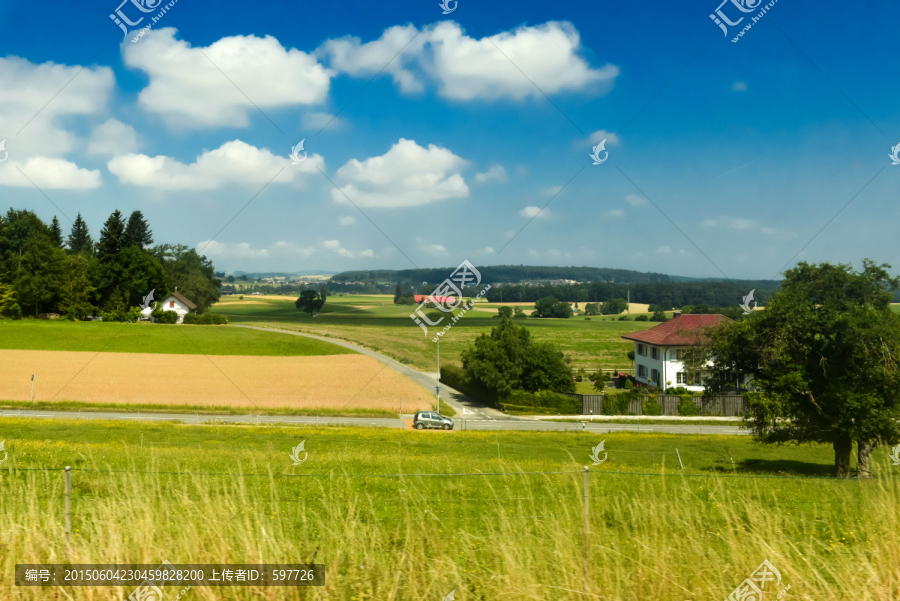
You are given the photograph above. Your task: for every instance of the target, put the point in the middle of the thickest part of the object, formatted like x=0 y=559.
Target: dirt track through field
x=271 y=382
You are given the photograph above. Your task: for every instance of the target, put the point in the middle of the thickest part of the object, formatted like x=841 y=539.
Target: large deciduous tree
x=508 y=359
x=825 y=356
x=192 y=273
x=309 y=302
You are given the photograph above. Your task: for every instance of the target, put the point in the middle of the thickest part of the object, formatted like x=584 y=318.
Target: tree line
x=43 y=272
x=666 y=294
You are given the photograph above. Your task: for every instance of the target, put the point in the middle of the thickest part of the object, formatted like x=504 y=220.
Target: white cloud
x=348 y=220
x=635 y=200
x=234 y=162
x=551 y=191
x=367 y=253
x=290 y=248
x=664 y=250
x=739 y=86
x=335 y=245
x=532 y=253
x=487 y=250
x=465 y=68
x=736 y=223
x=769 y=231
x=112 y=138
x=48 y=173
x=187 y=86
x=30 y=116
x=242 y=250
x=430 y=248
x=406 y=176
x=530 y=212
x=617 y=213
x=496 y=173
x=317 y=121
x=600 y=135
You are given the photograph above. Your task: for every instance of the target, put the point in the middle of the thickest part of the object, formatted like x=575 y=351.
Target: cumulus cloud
x=241 y=250
x=348 y=220
x=664 y=250
x=551 y=191
x=617 y=213
x=335 y=245
x=600 y=135
x=406 y=176
x=367 y=253
x=35 y=139
x=530 y=212
x=465 y=68
x=431 y=248
x=737 y=223
x=187 y=86
x=112 y=138
x=739 y=86
x=48 y=173
x=234 y=162
x=635 y=200
x=496 y=174
x=317 y=121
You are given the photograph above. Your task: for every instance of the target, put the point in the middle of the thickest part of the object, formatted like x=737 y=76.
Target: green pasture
x=145 y=337
x=404 y=515
x=375 y=322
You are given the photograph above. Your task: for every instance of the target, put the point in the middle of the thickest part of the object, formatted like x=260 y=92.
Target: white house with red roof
x=178 y=303
x=658 y=352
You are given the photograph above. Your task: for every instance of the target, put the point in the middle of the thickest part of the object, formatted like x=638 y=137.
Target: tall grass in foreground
x=514 y=535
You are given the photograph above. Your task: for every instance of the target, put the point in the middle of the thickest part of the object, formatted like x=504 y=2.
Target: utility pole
x=32 y=389
x=438 y=387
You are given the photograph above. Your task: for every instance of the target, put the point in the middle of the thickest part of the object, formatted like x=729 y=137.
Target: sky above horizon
x=434 y=138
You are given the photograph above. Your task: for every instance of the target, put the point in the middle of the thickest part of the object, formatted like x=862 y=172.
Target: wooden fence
x=725 y=406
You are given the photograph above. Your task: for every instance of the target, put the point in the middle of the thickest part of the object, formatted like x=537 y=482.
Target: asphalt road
x=461 y=422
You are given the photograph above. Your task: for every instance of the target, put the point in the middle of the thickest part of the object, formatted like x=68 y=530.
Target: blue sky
x=725 y=159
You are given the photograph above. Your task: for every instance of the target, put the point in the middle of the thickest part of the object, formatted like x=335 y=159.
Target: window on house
x=681 y=378
x=171 y=304
x=654 y=352
x=697 y=379
x=679 y=354
x=654 y=375
x=642 y=350
x=642 y=371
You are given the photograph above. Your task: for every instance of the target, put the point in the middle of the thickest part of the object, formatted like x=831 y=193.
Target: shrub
x=205 y=319
x=114 y=316
x=519 y=313
x=161 y=316
x=641 y=318
x=505 y=312
x=578 y=378
x=652 y=407
x=241 y=297
x=686 y=406
x=624 y=318
x=628 y=384
x=587 y=318
x=616 y=404
x=559 y=403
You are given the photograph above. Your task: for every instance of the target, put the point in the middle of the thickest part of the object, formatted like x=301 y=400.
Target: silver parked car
x=430 y=419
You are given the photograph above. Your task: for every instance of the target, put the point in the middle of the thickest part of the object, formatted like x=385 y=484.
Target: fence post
x=586 y=526
x=68 y=501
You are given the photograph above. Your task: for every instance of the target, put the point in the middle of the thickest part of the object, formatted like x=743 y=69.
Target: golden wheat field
x=317 y=382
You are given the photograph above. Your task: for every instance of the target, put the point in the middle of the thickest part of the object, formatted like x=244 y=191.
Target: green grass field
x=143 y=337
x=402 y=515
x=375 y=322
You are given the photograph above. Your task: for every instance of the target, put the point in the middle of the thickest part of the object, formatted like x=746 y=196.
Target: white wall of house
x=666 y=360
x=173 y=304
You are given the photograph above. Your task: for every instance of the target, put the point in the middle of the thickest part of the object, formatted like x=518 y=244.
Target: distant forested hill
x=505 y=274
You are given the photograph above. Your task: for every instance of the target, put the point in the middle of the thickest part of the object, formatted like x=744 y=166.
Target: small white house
x=658 y=352
x=178 y=303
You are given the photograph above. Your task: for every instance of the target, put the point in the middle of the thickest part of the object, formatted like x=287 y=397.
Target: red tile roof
x=441 y=299
x=678 y=331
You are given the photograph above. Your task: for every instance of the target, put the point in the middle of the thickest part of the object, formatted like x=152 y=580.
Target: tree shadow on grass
x=775 y=467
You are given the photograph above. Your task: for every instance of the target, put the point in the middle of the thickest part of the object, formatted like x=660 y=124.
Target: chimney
x=674 y=313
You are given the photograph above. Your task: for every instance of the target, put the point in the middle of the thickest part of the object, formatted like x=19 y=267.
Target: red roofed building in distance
x=658 y=352
x=441 y=299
